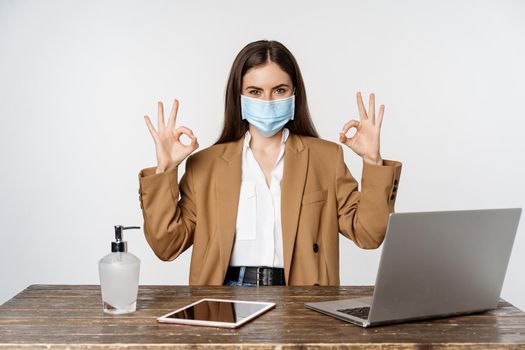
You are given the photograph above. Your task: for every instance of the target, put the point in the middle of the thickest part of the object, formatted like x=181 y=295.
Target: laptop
x=435 y=264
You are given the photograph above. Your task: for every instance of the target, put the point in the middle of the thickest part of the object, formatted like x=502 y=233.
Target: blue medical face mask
x=268 y=116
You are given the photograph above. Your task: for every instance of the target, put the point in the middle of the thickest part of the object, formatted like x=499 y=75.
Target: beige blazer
x=319 y=200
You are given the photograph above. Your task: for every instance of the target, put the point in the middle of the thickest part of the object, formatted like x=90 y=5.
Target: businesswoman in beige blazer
x=265 y=204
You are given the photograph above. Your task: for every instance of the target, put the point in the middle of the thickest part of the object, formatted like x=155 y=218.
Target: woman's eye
x=280 y=91
x=254 y=92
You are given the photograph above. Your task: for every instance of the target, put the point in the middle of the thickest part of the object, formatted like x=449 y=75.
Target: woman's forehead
x=266 y=76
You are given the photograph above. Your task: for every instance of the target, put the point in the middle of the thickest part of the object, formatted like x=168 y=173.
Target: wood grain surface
x=70 y=316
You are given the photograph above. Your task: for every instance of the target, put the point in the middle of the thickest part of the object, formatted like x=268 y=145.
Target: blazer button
x=316 y=248
x=392 y=197
x=394 y=189
x=395 y=182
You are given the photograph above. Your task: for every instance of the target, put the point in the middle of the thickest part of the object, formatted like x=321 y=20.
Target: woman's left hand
x=365 y=142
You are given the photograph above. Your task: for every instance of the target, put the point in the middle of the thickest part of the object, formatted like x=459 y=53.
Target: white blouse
x=258 y=238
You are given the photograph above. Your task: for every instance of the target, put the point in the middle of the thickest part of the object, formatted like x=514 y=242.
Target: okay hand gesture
x=365 y=141
x=170 y=150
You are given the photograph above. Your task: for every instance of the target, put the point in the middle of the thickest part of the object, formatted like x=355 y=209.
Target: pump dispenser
x=119 y=276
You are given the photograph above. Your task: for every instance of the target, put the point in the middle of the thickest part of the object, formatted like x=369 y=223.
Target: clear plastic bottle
x=119 y=276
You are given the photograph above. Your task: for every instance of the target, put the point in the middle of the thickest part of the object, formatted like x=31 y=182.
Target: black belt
x=259 y=275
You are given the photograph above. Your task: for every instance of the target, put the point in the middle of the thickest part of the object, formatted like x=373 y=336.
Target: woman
x=265 y=204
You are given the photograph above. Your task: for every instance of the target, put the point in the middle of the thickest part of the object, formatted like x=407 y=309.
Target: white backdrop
x=76 y=78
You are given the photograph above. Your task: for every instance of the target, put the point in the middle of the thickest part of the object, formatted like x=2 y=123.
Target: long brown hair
x=252 y=55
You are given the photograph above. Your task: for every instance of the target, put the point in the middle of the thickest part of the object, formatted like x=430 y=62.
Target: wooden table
x=70 y=316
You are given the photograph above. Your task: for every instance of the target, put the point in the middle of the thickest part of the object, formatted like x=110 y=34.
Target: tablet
x=217 y=313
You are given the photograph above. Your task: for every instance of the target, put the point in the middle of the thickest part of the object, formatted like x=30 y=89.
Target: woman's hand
x=170 y=150
x=365 y=142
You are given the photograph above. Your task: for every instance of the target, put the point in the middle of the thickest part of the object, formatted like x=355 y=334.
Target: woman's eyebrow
x=258 y=88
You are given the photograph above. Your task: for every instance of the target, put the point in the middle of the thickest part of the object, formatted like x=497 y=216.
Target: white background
x=76 y=78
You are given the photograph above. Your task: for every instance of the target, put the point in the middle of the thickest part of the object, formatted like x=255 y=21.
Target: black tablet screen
x=218 y=311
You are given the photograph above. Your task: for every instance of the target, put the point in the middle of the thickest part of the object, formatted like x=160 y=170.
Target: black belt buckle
x=266 y=274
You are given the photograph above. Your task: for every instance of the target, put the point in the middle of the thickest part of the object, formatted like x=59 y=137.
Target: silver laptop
x=435 y=264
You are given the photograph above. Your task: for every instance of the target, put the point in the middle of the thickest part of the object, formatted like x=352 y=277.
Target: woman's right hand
x=170 y=150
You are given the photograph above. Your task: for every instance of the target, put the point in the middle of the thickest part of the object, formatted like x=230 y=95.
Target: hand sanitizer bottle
x=119 y=276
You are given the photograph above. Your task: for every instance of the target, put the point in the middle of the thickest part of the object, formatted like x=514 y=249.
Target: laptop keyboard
x=361 y=312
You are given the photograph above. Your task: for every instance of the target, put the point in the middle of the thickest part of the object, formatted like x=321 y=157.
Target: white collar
x=248 y=137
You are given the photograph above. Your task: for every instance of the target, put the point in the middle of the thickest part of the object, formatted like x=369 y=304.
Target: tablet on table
x=217 y=313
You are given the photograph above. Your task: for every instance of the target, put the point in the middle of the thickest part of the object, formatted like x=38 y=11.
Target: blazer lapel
x=292 y=188
x=228 y=186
